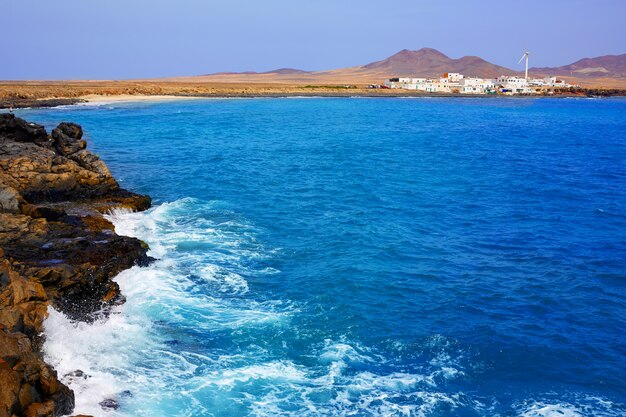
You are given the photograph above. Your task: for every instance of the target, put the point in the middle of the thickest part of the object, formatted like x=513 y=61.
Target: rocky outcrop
x=43 y=168
x=27 y=385
x=56 y=249
x=14 y=102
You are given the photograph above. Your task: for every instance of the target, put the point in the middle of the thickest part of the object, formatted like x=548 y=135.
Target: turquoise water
x=361 y=257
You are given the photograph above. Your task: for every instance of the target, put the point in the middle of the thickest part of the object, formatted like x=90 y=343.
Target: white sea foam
x=92 y=349
x=129 y=353
x=576 y=405
x=540 y=409
x=191 y=340
x=362 y=394
x=126 y=354
x=89 y=104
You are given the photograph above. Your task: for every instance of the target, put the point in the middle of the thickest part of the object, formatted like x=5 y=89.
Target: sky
x=125 y=39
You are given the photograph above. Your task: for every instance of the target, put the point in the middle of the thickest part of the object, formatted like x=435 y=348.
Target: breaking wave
x=191 y=339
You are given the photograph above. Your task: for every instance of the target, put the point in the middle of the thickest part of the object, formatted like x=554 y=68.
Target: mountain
x=425 y=62
x=286 y=71
x=605 y=71
x=428 y=62
x=602 y=66
x=279 y=71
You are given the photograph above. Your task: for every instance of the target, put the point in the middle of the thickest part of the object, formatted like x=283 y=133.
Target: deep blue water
x=362 y=257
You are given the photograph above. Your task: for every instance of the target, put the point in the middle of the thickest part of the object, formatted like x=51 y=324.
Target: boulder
x=109 y=404
x=23 y=303
x=27 y=385
x=20 y=130
x=67 y=139
x=9 y=199
x=91 y=162
x=49 y=169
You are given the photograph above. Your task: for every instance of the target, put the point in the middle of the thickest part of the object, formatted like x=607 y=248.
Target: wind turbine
x=525 y=56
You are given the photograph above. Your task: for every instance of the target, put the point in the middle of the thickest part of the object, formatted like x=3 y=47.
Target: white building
x=555 y=82
x=436 y=87
x=405 y=83
x=452 y=82
x=477 y=86
x=510 y=84
x=453 y=77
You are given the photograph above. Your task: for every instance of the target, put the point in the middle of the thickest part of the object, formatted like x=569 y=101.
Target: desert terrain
x=602 y=75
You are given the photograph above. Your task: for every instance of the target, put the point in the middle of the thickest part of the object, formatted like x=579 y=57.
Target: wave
x=577 y=405
x=195 y=338
x=189 y=285
x=88 y=104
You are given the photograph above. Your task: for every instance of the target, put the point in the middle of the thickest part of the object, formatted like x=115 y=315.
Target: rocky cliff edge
x=56 y=248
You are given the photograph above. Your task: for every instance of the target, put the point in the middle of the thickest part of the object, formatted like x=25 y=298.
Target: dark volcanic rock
x=20 y=130
x=74 y=262
x=109 y=404
x=16 y=102
x=67 y=139
x=56 y=248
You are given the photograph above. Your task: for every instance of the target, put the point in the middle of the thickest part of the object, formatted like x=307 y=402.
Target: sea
x=418 y=257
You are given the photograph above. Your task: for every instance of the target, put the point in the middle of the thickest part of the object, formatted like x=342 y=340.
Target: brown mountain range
x=608 y=70
x=602 y=66
x=426 y=62
x=430 y=62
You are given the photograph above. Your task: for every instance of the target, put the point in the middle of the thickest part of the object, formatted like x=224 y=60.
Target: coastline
x=53 y=94
x=126 y=98
x=94 y=98
x=56 y=250
x=374 y=94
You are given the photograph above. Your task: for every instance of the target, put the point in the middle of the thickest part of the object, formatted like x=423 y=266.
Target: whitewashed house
x=510 y=84
x=477 y=86
x=453 y=82
x=453 y=77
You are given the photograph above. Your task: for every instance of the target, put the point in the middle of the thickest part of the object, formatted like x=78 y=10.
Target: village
x=456 y=83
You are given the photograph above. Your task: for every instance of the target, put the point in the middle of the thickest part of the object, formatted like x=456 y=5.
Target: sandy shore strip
x=97 y=98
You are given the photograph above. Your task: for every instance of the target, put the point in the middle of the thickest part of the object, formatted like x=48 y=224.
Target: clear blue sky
x=105 y=39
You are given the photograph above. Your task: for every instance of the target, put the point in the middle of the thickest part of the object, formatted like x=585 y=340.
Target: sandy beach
x=21 y=94
x=95 y=98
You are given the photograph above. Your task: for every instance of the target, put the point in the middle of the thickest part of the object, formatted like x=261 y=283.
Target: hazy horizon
x=71 y=39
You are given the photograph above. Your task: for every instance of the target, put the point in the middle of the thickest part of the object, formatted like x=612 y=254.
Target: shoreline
x=121 y=98
x=130 y=98
x=33 y=94
x=57 y=250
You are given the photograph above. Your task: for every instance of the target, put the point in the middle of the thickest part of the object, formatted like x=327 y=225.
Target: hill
x=425 y=62
x=610 y=66
x=606 y=71
x=428 y=62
